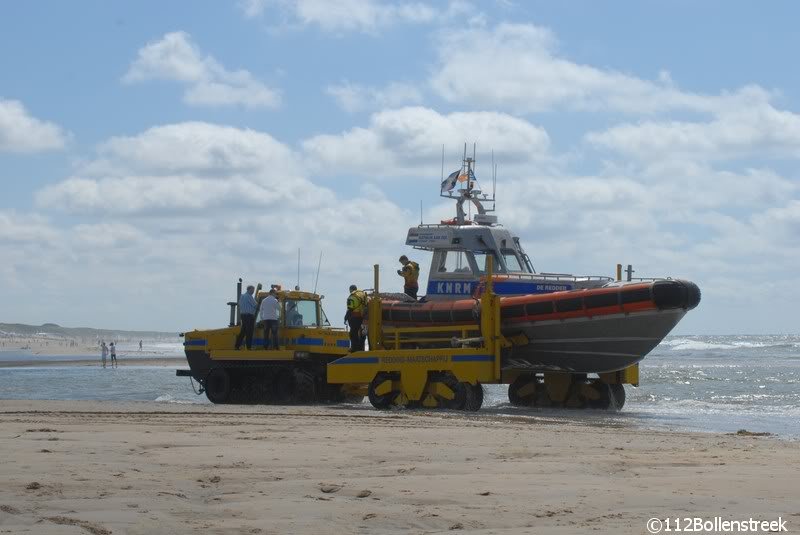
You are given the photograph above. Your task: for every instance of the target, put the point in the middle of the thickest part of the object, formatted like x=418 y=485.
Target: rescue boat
x=571 y=323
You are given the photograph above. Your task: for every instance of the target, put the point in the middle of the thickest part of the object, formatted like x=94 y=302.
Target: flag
x=450 y=182
x=463 y=177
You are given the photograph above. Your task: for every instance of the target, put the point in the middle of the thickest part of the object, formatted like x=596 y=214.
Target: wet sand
x=88 y=467
x=167 y=362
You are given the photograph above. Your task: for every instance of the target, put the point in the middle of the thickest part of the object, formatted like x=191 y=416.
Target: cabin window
x=301 y=313
x=481 y=258
x=454 y=262
x=324 y=317
x=512 y=261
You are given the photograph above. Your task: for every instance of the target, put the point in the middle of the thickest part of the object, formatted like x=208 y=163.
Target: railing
x=392 y=335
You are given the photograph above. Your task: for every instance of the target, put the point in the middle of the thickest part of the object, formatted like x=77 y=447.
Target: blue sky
x=151 y=152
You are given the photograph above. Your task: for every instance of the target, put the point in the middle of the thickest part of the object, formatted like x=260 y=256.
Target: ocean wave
x=166 y=398
x=730 y=342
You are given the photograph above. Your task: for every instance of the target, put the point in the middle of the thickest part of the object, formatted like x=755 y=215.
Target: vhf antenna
x=298 y=270
x=319 y=264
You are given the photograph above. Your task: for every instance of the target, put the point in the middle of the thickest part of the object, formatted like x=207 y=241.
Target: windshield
x=454 y=262
x=301 y=313
x=512 y=261
x=481 y=258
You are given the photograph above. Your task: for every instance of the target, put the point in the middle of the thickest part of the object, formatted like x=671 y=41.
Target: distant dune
x=51 y=329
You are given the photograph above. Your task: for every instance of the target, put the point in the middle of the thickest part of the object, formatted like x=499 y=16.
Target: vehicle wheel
x=474 y=397
x=617 y=396
x=383 y=401
x=522 y=400
x=218 y=385
x=603 y=401
x=283 y=386
x=459 y=393
x=304 y=387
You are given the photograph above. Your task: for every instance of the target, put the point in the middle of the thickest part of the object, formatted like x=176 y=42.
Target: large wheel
x=380 y=401
x=617 y=396
x=474 y=397
x=304 y=387
x=218 y=385
x=459 y=393
x=283 y=385
x=520 y=392
x=603 y=400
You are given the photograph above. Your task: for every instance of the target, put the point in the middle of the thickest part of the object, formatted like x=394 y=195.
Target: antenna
x=319 y=264
x=494 y=183
x=474 y=163
x=442 y=162
x=298 y=269
x=420 y=210
x=494 y=188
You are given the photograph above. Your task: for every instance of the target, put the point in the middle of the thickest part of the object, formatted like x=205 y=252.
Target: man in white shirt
x=247 y=317
x=270 y=308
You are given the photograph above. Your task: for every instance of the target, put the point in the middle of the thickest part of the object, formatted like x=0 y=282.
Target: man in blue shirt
x=247 y=317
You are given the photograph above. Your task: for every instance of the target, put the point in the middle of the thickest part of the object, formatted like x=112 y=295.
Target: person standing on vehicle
x=410 y=274
x=269 y=318
x=247 y=317
x=356 y=309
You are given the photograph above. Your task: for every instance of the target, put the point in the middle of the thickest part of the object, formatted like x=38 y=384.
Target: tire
x=513 y=391
x=459 y=393
x=304 y=387
x=617 y=397
x=380 y=402
x=218 y=385
x=474 y=398
x=604 y=401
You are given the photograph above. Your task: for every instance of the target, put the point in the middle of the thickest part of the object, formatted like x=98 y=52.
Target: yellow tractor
x=294 y=373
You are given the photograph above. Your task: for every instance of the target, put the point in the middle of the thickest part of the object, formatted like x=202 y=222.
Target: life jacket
x=357 y=303
x=411 y=274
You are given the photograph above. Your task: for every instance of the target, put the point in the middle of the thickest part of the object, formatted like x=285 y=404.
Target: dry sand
x=145 y=468
x=45 y=345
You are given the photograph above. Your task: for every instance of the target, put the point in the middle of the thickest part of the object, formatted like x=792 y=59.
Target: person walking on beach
x=247 y=317
x=140 y=346
x=269 y=318
x=113 y=350
x=410 y=274
x=356 y=308
x=103 y=352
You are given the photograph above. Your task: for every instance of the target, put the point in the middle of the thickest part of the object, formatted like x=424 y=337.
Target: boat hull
x=581 y=331
x=590 y=344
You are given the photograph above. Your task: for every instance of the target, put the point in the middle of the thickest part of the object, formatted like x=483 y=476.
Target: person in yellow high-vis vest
x=410 y=274
x=356 y=310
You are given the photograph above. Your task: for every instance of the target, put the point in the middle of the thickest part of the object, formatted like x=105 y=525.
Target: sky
x=151 y=153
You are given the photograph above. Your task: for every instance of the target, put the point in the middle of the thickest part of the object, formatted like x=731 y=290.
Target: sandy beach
x=99 y=468
x=48 y=345
x=43 y=360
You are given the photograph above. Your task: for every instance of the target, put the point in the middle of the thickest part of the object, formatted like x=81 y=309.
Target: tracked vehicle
x=295 y=373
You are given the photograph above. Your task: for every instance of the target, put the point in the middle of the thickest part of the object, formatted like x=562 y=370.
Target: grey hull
x=590 y=345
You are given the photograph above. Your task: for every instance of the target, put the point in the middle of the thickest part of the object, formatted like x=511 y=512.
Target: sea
x=688 y=383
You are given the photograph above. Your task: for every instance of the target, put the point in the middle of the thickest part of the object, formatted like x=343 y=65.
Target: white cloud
x=754 y=129
x=176 y=57
x=175 y=213
x=181 y=167
x=409 y=140
x=366 y=16
x=354 y=98
x=519 y=67
x=20 y=132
